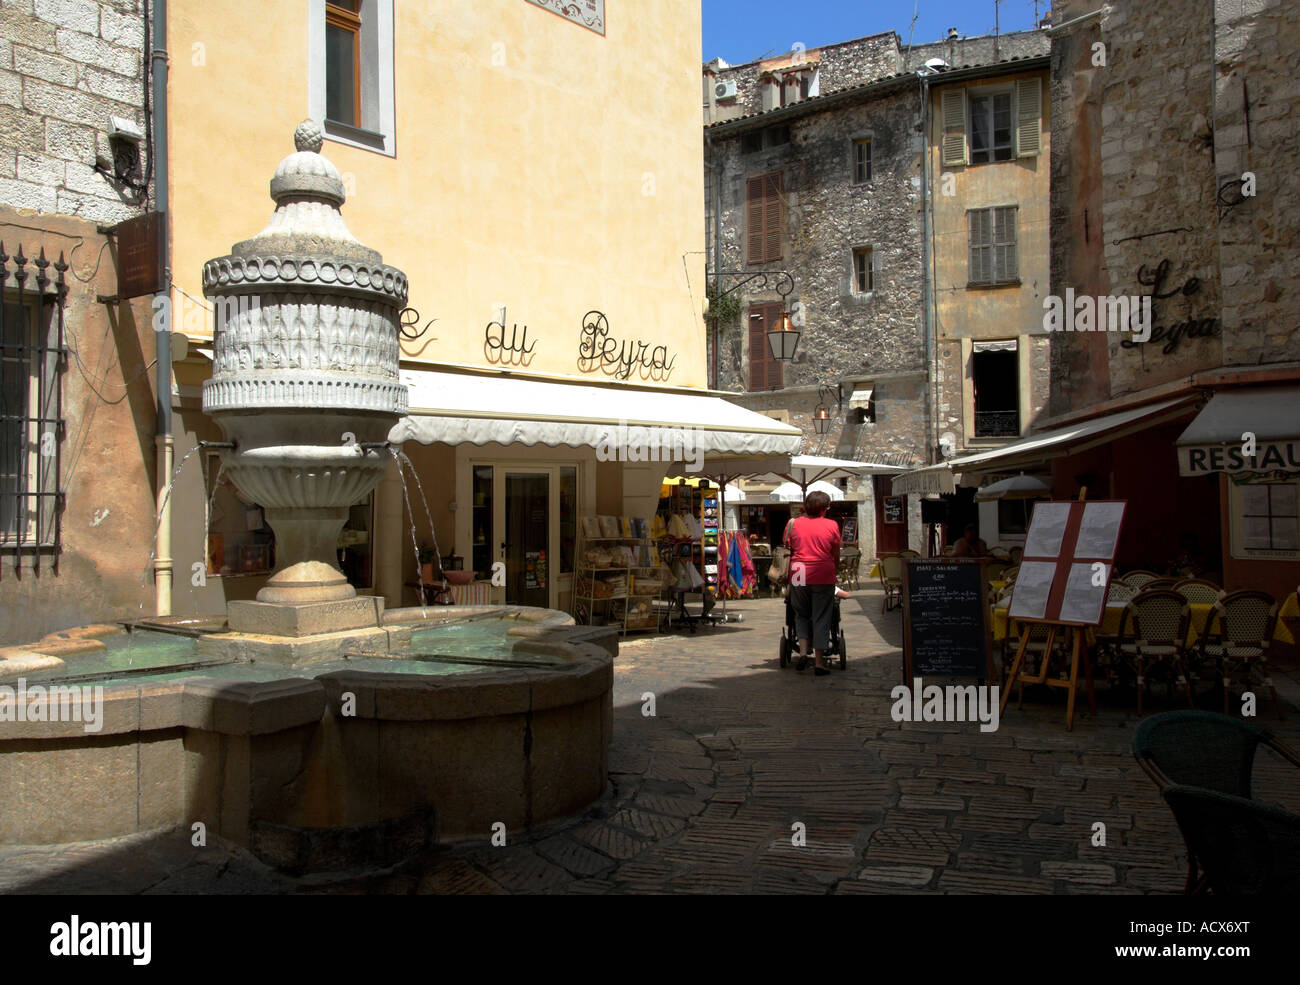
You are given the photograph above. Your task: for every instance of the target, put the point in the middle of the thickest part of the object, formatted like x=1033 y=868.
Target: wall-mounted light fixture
x=822 y=415
x=784 y=339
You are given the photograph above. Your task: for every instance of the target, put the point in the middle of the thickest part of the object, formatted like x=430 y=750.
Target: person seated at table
x=970 y=545
x=1188 y=563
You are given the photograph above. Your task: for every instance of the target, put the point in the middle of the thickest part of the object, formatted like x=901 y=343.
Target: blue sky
x=743 y=30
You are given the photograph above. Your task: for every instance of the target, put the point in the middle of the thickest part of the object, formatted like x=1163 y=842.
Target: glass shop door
x=525 y=548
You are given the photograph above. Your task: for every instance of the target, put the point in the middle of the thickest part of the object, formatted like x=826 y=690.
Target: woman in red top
x=814 y=542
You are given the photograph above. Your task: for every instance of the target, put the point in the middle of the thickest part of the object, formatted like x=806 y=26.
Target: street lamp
x=784 y=340
x=822 y=415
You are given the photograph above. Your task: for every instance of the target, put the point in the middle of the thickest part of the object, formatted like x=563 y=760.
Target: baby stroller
x=790 y=638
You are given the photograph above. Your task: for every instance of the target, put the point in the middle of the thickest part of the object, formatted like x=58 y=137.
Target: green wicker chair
x=891 y=580
x=1137 y=579
x=1206 y=750
x=1246 y=848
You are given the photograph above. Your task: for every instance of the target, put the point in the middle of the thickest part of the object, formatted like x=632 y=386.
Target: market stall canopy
x=1017 y=487
x=1041 y=447
x=625 y=421
x=792 y=492
x=1253 y=431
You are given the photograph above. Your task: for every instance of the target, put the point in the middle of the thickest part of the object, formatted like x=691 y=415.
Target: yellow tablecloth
x=874 y=573
x=1112 y=614
x=475 y=593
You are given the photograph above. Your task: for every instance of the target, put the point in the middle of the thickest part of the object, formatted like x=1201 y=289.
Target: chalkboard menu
x=894 y=508
x=946 y=629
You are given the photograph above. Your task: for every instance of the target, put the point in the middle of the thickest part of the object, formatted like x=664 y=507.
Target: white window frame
x=1237 y=537
x=377 y=86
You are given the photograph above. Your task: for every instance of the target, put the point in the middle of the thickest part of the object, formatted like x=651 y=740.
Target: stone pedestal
x=305 y=618
x=297 y=651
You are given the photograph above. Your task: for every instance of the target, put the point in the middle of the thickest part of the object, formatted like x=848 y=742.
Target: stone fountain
x=305 y=386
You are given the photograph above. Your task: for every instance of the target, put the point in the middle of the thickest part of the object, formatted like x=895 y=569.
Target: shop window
x=764 y=370
x=1013 y=516
x=993 y=257
x=568 y=516
x=481 y=522
x=356 y=549
x=31 y=404
x=351 y=85
x=861 y=160
x=995 y=374
x=240 y=542
x=1265 y=520
x=763 y=215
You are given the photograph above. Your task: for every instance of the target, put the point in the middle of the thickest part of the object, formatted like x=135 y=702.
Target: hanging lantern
x=821 y=419
x=784 y=340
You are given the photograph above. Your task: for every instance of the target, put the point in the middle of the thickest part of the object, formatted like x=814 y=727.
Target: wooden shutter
x=754 y=219
x=978 y=222
x=764 y=371
x=1004 y=234
x=772 y=219
x=953 y=103
x=873 y=283
x=1029 y=109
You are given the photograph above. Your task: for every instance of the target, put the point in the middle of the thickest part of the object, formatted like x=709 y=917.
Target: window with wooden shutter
x=763 y=217
x=993 y=255
x=953 y=112
x=861 y=160
x=1029 y=112
x=764 y=370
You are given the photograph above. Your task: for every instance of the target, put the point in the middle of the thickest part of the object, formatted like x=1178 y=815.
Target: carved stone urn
x=305 y=375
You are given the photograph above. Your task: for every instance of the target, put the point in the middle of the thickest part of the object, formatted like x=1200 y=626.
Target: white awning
x=792 y=492
x=861 y=397
x=1257 y=420
x=1008 y=345
x=1040 y=447
x=456 y=408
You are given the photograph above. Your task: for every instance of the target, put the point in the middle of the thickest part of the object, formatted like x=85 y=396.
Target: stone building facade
x=826 y=150
x=78 y=465
x=1170 y=161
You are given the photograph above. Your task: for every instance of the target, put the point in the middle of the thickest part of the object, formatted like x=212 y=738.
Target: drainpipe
x=931 y=430
x=163 y=340
x=713 y=165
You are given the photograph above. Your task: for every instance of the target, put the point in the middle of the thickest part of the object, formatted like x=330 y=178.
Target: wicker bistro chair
x=1246 y=848
x=1198 y=591
x=1204 y=750
x=1153 y=630
x=908 y=552
x=891 y=580
x=1160 y=584
x=1136 y=579
x=1237 y=633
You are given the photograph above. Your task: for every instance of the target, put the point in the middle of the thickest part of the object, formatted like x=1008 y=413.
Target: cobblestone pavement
x=704 y=795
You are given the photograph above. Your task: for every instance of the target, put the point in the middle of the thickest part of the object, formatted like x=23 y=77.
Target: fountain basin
x=339 y=766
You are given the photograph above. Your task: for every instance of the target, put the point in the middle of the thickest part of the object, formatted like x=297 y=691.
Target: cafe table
x=1112 y=615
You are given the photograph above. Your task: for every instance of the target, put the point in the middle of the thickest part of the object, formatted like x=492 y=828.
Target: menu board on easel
x=1069 y=556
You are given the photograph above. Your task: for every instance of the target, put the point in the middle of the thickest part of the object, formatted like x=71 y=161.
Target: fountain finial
x=309 y=137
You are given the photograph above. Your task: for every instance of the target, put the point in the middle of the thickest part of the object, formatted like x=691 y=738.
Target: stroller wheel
x=785 y=651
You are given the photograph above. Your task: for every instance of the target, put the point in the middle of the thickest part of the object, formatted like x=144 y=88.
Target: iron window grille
x=32 y=363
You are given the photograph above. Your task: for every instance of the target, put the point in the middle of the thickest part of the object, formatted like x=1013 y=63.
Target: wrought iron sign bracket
x=781 y=281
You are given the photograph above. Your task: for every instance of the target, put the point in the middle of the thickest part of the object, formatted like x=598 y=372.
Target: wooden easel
x=1078 y=649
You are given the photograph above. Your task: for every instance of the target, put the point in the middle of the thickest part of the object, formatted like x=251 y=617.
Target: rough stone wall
x=1157 y=174
x=1079 y=364
x=1257 y=55
x=66 y=66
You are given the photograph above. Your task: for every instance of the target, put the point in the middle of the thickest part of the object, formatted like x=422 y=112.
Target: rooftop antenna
x=907 y=62
x=996 y=29
x=1036 y=4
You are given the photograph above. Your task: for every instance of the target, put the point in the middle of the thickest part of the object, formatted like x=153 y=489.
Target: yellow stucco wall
x=994 y=312
x=565 y=180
